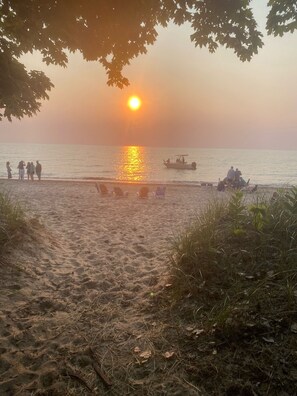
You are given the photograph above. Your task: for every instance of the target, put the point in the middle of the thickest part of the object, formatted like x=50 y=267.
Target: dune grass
x=232 y=242
x=12 y=219
x=234 y=278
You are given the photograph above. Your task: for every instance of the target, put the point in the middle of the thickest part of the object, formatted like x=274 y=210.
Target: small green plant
x=236 y=207
x=11 y=218
x=259 y=212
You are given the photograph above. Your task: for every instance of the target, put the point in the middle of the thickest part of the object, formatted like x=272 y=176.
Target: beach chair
x=143 y=192
x=102 y=189
x=160 y=192
x=119 y=193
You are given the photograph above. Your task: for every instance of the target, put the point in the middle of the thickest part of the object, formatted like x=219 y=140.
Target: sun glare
x=133 y=165
x=134 y=103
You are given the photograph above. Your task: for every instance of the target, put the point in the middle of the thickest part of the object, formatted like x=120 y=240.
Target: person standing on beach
x=21 y=168
x=9 y=174
x=38 y=169
x=28 y=170
x=32 y=170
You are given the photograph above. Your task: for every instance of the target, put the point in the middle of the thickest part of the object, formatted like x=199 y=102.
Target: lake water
x=145 y=164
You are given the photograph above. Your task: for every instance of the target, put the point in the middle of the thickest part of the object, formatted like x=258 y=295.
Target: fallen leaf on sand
x=197 y=331
x=168 y=355
x=189 y=328
x=145 y=354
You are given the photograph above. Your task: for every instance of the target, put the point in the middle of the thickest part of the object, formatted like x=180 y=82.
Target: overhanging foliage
x=113 y=32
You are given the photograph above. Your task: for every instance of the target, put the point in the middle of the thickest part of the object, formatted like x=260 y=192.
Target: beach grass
x=231 y=239
x=234 y=279
x=12 y=219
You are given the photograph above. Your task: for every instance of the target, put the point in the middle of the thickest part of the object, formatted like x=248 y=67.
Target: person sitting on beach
x=38 y=169
x=9 y=174
x=237 y=178
x=221 y=185
x=231 y=175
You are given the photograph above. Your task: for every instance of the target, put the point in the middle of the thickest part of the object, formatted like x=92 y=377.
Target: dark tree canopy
x=113 y=32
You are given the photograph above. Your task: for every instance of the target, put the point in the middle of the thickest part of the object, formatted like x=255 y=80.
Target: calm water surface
x=133 y=163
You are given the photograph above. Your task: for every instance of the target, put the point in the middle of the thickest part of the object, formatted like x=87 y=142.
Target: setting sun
x=134 y=103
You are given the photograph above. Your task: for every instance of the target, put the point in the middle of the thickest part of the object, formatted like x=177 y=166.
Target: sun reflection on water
x=132 y=166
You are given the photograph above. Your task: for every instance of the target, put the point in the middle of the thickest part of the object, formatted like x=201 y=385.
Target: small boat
x=180 y=163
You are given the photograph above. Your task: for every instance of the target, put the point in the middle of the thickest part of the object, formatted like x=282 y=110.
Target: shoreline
x=142 y=182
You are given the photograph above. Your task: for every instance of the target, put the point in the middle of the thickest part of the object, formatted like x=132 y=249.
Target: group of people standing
x=22 y=167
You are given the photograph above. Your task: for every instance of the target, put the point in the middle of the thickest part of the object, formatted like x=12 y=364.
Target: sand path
x=87 y=277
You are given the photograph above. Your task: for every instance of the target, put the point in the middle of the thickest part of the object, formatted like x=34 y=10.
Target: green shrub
x=11 y=219
x=237 y=255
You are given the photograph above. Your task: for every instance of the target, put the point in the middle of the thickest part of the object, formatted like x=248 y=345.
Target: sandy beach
x=86 y=278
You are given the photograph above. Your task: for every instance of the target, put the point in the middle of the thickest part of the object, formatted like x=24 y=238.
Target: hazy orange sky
x=190 y=98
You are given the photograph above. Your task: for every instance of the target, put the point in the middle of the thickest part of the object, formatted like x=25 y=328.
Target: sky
x=190 y=98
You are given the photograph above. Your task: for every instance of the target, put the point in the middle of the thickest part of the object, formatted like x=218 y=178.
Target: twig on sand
x=106 y=381
x=77 y=376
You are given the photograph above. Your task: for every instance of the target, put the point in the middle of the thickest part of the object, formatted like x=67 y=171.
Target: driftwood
x=106 y=381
